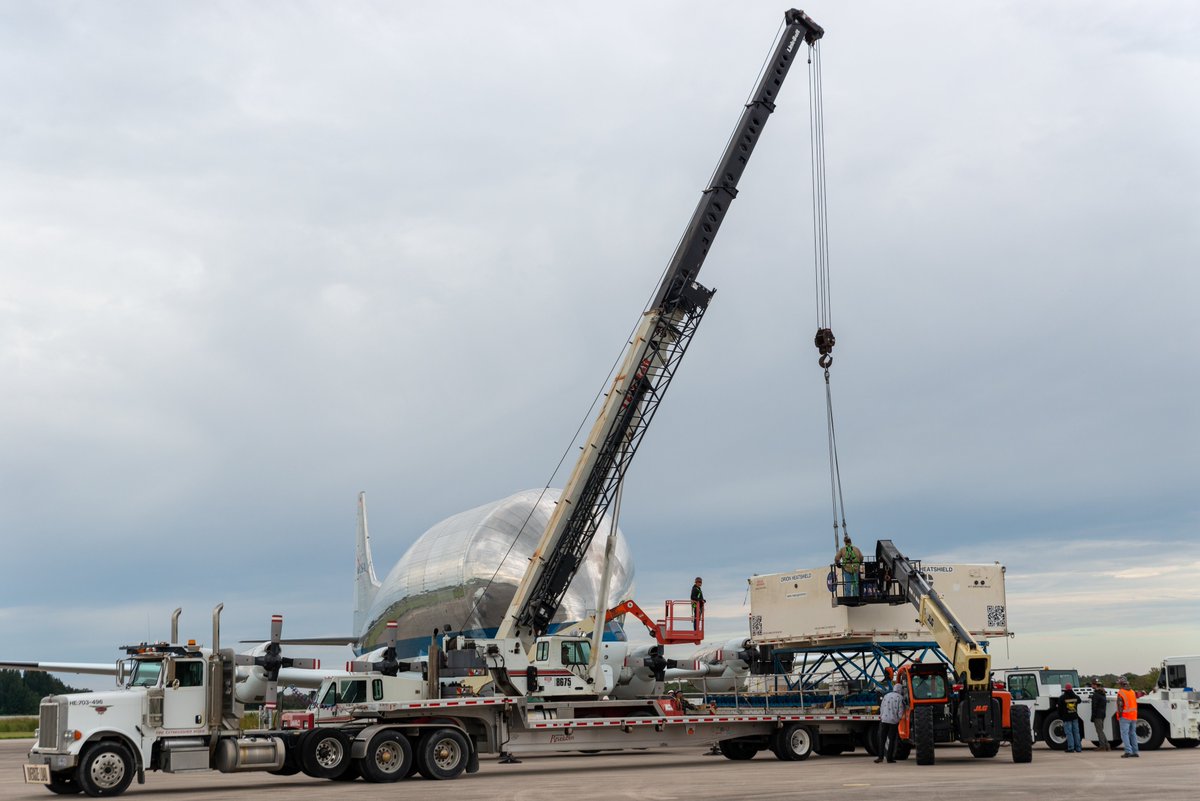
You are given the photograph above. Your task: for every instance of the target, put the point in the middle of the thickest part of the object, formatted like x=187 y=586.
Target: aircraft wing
x=96 y=668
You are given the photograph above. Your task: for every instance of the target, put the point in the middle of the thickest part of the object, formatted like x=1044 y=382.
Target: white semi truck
x=1170 y=712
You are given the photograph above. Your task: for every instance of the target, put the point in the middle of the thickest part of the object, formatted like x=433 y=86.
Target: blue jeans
x=850 y=582
x=1071 y=730
x=1129 y=735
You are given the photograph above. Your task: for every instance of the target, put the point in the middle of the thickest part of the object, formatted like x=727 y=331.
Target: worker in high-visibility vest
x=849 y=559
x=1127 y=716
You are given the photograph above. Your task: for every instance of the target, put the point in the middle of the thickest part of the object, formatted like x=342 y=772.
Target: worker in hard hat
x=849 y=559
x=697 y=603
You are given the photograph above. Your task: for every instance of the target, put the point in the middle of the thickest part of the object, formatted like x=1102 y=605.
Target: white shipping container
x=796 y=608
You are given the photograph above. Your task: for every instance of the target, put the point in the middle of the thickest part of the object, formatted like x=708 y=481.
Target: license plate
x=37 y=774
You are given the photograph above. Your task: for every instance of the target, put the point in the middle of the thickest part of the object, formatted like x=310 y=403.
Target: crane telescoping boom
x=654 y=353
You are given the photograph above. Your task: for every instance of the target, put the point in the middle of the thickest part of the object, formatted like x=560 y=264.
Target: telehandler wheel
x=1183 y=742
x=106 y=769
x=922 y=734
x=64 y=784
x=442 y=754
x=1053 y=733
x=325 y=753
x=737 y=749
x=388 y=758
x=1021 y=735
x=794 y=743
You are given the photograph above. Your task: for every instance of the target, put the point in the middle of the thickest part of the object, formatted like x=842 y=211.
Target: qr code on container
x=755 y=625
x=996 y=617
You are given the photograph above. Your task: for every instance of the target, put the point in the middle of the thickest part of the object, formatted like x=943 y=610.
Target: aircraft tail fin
x=365 y=583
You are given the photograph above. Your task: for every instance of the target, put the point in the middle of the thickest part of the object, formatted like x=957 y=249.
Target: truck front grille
x=48 y=718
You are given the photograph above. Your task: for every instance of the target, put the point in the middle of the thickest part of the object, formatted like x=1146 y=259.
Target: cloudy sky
x=256 y=257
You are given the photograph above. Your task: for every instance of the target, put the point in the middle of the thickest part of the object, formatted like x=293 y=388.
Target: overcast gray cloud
x=257 y=257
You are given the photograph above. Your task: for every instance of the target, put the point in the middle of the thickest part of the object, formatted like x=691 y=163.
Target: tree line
x=21 y=694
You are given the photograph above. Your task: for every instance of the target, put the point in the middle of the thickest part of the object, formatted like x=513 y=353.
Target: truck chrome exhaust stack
x=216 y=640
x=175 y=624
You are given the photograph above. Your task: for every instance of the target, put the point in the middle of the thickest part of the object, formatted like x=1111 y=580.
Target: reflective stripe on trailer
x=595 y=723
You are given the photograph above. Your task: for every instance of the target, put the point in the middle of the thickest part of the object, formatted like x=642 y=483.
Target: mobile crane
x=654 y=354
x=955 y=702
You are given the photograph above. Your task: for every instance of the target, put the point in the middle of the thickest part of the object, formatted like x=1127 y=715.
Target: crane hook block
x=824 y=341
x=825 y=361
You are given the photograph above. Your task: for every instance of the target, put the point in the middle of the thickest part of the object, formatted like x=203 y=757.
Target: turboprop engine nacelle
x=721 y=668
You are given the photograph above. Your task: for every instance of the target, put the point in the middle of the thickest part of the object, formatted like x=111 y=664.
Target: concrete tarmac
x=1167 y=774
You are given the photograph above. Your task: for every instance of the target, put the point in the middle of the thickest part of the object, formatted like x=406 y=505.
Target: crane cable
x=824 y=339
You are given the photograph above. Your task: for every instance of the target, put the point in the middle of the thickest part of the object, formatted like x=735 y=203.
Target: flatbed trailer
x=515 y=727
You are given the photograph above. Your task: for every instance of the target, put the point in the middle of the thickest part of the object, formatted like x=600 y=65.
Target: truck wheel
x=922 y=734
x=1183 y=742
x=794 y=743
x=65 y=784
x=737 y=749
x=106 y=769
x=1053 y=733
x=325 y=753
x=1021 y=735
x=903 y=749
x=443 y=754
x=1150 y=732
x=291 y=758
x=350 y=774
x=388 y=758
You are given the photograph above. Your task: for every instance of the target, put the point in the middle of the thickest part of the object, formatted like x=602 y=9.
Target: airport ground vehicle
x=180 y=706
x=1170 y=712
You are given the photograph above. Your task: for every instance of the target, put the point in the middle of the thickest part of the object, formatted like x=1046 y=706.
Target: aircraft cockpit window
x=142 y=673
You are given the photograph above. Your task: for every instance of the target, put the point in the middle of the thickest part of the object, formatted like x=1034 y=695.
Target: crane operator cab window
x=576 y=652
x=927 y=688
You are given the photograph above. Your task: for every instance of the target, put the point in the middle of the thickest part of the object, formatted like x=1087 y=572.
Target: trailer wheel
x=442 y=754
x=1183 y=742
x=737 y=749
x=65 y=784
x=1053 y=732
x=1149 y=730
x=388 y=758
x=1021 y=735
x=105 y=770
x=872 y=737
x=794 y=743
x=922 y=734
x=325 y=753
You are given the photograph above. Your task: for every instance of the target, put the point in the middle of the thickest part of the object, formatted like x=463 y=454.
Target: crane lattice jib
x=658 y=346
